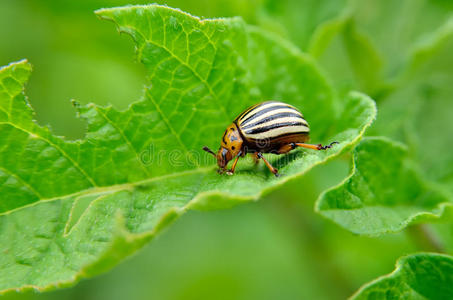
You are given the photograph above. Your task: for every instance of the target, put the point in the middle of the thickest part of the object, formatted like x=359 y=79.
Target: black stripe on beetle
x=243 y=115
x=271 y=118
x=274 y=126
x=256 y=112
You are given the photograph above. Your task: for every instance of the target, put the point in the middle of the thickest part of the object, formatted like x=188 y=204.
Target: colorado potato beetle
x=267 y=127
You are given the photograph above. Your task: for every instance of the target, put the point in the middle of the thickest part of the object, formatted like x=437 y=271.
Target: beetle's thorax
x=230 y=146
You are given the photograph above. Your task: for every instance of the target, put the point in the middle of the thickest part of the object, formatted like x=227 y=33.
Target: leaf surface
x=419 y=113
x=72 y=209
x=384 y=192
x=418 y=276
x=360 y=63
x=370 y=46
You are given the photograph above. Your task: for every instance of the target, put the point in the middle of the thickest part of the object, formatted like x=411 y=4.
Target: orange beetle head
x=230 y=146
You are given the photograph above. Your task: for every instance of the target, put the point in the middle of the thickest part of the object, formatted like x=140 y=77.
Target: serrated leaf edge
x=442 y=207
x=398 y=266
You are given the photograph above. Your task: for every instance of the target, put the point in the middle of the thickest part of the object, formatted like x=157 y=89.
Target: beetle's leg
x=231 y=171
x=286 y=148
x=256 y=159
x=271 y=168
x=314 y=147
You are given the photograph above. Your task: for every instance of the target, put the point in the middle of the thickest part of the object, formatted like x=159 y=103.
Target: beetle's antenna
x=209 y=150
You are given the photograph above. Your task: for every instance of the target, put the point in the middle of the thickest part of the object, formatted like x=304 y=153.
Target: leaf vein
x=25 y=183
x=74 y=163
x=128 y=142
x=167 y=122
x=196 y=74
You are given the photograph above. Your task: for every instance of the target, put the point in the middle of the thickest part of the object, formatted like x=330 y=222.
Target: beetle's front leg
x=231 y=171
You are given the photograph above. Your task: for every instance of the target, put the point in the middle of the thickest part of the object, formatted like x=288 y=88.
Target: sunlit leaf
x=418 y=276
x=419 y=112
x=384 y=192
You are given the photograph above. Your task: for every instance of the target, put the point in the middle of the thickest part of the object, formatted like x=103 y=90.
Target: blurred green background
x=277 y=248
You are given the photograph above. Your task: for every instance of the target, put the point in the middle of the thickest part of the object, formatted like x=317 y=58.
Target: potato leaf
x=418 y=276
x=363 y=66
x=384 y=192
x=370 y=46
x=72 y=209
x=299 y=19
x=419 y=113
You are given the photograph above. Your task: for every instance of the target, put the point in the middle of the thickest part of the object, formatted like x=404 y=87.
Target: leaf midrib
x=112 y=188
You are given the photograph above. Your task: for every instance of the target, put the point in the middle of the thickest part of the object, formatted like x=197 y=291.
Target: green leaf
x=73 y=209
x=419 y=112
x=428 y=48
x=397 y=34
x=355 y=49
x=418 y=276
x=370 y=46
x=300 y=19
x=384 y=192
x=328 y=31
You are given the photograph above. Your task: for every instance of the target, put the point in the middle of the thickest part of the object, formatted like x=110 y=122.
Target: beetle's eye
x=232 y=148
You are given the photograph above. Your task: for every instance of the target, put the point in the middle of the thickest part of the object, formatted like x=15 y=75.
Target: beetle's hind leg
x=318 y=146
x=259 y=155
x=288 y=147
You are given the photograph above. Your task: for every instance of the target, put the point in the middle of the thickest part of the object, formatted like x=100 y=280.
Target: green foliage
x=298 y=20
x=384 y=192
x=369 y=46
x=91 y=202
x=419 y=276
x=364 y=61
x=74 y=209
x=419 y=113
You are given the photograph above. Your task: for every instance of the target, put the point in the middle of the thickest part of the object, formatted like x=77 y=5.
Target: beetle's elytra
x=267 y=127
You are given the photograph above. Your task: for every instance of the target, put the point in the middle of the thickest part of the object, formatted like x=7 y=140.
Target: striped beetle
x=267 y=127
